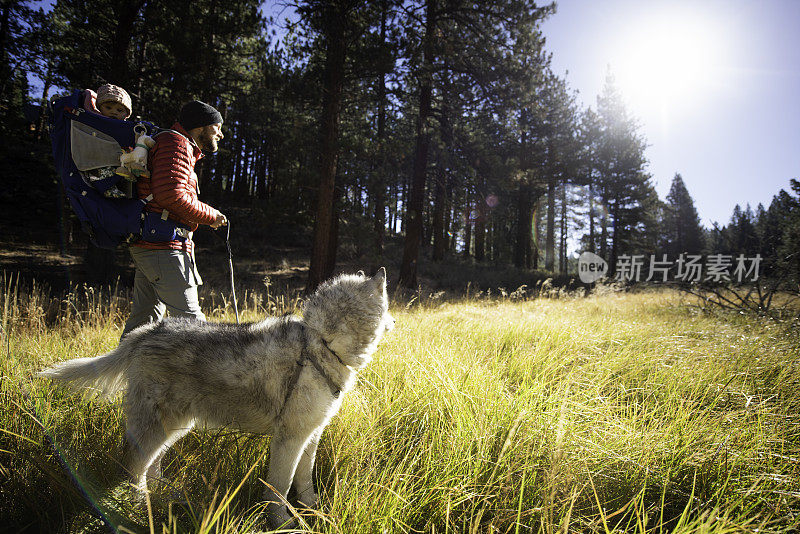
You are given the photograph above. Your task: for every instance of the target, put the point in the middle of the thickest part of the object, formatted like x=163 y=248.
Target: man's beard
x=208 y=142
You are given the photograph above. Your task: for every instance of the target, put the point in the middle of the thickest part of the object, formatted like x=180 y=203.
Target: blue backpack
x=83 y=140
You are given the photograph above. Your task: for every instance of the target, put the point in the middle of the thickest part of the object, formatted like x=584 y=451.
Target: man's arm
x=170 y=182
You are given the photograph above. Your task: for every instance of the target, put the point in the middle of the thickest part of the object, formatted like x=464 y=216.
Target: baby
x=113 y=102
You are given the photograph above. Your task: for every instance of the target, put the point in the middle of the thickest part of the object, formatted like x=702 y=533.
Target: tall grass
x=620 y=412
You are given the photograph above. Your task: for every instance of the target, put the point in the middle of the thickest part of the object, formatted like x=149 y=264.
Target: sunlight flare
x=669 y=61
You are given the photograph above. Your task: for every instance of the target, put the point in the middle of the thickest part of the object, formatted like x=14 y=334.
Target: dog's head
x=351 y=313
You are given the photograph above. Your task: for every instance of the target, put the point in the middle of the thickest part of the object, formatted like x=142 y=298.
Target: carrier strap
x=74 y=111
x=165 y=130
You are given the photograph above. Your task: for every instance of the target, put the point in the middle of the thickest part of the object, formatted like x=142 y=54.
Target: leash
x=230 y=267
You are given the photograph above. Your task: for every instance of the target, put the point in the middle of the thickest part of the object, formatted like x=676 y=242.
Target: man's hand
x=221 y=221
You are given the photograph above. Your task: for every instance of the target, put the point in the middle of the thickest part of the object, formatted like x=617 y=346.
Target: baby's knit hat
x=114 y=93
x=196 y=114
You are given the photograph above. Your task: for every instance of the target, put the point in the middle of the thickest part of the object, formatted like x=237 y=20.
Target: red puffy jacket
x=173 y=185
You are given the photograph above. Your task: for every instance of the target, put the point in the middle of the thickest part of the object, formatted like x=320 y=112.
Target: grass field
x=620 y=412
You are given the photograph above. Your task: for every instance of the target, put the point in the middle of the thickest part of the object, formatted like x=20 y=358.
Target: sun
x=668 y=60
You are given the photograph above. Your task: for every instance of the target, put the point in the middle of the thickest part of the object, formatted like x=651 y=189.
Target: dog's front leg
x=303 y=477
x=284 y=454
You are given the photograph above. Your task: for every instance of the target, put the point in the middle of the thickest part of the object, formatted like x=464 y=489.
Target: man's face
x=209 y=137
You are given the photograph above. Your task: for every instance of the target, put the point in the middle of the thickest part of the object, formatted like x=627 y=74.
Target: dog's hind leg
x=149 y=433
x=144 y=441
x=146 y=444
x=173 y=432
x=303 y=483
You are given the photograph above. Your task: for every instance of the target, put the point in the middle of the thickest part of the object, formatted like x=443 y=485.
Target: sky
x=715 y=85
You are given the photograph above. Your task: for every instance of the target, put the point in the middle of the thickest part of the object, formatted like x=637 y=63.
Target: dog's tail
x=104 y=374
x=100 y=374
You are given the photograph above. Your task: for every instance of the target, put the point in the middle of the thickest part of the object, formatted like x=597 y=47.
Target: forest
x=438 y=125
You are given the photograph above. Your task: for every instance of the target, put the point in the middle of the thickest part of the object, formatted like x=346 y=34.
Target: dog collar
x=334 y=387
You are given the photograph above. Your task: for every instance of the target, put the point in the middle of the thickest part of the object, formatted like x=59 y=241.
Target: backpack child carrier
x=83 y=141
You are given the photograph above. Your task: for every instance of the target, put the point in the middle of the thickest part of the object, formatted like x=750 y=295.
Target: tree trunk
x=395 y=206
x=454 y=220
x=440 y=197
x=536 y=237
x=615 y=236
x=591 y=219
x=467 y=230
x=126 y=17
x=48 y=81
x=379 y=216
x=392 y=205
x=448 y=213
x=480 y=213
x=379 y=182
x=408 y=267
x=272 y=170
x=439 y=209
x=323 y=253
x=141 y=56
x=480 y=236
x=63 y=220
x=491 y=251
x=604 y=224
x=549 y=259
x=524 y=226
x=333 y=235
x=261 y=171
x=562 y=249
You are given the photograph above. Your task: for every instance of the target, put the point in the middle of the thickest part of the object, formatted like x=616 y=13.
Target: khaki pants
x=166 y=280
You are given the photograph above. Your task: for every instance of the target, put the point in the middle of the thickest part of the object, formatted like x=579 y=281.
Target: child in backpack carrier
x=113 y=102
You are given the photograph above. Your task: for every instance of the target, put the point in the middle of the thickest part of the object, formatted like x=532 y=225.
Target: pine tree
x=683 y=229
x=742 y=231
x=589 y=135
x=624 y=186
x=771 y=226
x=789 y=249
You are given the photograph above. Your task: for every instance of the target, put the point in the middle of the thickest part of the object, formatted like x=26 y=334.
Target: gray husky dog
x=283 y=376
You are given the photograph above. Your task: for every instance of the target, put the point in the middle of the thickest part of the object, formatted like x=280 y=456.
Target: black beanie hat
x=195 y=114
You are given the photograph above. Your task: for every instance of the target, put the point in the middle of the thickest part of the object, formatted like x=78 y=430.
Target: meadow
x=617 y=412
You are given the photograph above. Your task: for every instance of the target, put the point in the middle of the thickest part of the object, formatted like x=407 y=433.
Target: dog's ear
x=361 y=273
x=380 y=276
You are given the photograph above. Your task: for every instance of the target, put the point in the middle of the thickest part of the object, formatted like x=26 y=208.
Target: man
x=166 y=275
